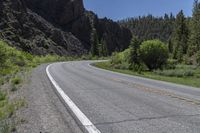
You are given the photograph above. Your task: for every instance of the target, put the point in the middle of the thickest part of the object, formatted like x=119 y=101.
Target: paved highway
x=117 y=103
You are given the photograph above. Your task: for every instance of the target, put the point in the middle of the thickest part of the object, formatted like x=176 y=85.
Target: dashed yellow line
x=160 y=92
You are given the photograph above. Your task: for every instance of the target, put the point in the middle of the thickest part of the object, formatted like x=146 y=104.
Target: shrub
x=2 y=96
x=2 y=54
x=198 y=58
x=124 y=65
x=115 y=58
x=171 y=64
x=154 y=54
x=16 y=80
x=13 y=87
x=118 y=58
x=1 y=81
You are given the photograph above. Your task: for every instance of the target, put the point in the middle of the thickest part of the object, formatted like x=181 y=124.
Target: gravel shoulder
x=45 y=113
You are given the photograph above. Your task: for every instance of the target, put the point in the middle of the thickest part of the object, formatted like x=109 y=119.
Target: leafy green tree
x=94 y=43
x=154 y=54
x=180 y=37
x=194 y=39
x=134 y=51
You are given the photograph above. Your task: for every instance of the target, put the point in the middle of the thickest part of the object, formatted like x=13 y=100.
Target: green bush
x=198 y=58
x=124 y=65
x=118 y=58
x=154 y=54
x=13 y=87
x=2 y=54
x=171 y=64
x=16 y=80
x=115 y=58
x=1 y=81
x=2 y=96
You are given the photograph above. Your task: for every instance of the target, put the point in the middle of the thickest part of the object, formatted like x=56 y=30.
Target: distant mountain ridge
x=60 y=27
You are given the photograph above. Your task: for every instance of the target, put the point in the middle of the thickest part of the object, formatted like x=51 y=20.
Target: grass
x=176 y=73
x=7 y=110
x=191 y=80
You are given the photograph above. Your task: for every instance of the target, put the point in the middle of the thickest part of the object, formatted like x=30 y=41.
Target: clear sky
x=119 y=9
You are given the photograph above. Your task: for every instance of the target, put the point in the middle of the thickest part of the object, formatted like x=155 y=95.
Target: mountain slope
x=28 y=31
x=61 y=27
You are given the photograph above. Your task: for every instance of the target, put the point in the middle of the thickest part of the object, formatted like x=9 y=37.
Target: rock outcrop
x=60 y=27
x=58 y=12
x=28 y=31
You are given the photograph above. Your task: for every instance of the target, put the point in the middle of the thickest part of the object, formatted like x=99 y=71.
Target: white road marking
x=79 y=114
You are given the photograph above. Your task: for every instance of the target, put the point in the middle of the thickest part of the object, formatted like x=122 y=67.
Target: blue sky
x=119 y=9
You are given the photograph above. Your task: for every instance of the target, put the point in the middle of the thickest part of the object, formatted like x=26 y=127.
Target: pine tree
x=103 y=49
x=180 y=36
x=194 y=39
x=94 y=43
x=170 y=45
x=134 y=54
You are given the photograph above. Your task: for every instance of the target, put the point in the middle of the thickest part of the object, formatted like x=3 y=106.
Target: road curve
x=118 y=103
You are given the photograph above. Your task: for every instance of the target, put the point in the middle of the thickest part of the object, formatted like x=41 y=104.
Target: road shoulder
x=45 y=112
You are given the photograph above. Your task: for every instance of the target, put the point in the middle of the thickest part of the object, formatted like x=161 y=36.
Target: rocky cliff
x=56 y=26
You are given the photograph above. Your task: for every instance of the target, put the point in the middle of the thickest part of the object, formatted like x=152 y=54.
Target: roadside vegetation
x=14 y=66
x=177 y=61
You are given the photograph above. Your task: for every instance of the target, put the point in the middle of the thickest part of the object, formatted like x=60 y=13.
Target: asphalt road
x=118 y=103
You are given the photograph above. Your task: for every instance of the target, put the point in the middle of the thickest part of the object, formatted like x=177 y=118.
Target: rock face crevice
x=60 y=27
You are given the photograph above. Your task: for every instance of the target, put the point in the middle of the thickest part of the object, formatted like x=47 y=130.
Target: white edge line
x=78 y=113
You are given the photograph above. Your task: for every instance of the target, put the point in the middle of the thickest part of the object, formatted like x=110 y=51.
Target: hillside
x=150 y=27
x=60 y=27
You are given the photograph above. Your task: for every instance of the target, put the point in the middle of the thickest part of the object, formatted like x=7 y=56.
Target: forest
x=150 y=27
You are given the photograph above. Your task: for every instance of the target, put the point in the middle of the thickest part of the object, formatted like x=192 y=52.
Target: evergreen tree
x=94 y=43
x=170 y=45
x=100 y=49
x=103 y=49
x=194 y=40
x=134 y=51
x=180 y=37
